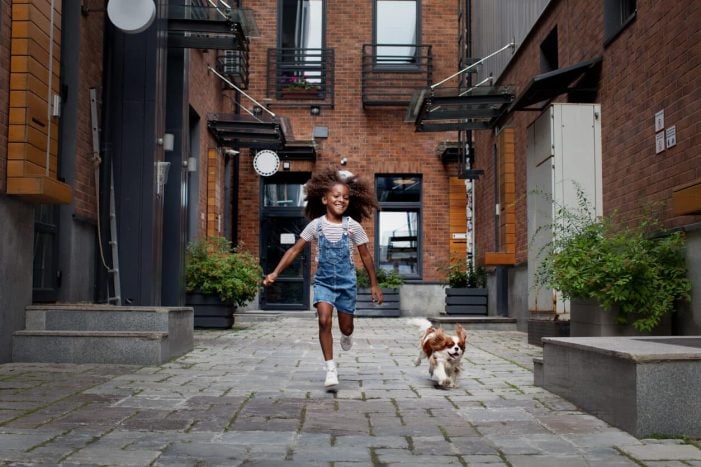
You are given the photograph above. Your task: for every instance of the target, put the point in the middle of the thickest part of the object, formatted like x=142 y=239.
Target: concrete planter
x=539 y=328
x=466 y=301
x=389 y=308
x=588 y=319
x=210 y=312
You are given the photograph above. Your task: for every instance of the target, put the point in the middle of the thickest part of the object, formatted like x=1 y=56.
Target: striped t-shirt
x=333 y=232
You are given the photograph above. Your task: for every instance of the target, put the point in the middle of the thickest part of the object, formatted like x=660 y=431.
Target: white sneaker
x=331 y=377
x=346 y=342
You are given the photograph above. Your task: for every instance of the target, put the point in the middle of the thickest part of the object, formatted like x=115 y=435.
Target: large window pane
x=399 y=241
x=396 y=31
x=301 y=33
x=397 y=188
x=283 y=195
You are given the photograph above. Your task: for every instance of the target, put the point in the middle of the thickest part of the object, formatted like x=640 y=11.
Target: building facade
x=635 y=62
x=117 y=148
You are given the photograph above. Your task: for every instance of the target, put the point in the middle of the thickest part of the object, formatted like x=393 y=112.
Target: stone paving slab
x=254 y=396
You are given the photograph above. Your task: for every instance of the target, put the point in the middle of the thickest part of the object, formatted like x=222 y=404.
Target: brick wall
x=84 y=197
x=5 y=20
x=374 y=140
x=652 y=65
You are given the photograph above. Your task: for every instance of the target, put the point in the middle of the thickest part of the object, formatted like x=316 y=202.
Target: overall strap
x=345 y=225
x=318 y=226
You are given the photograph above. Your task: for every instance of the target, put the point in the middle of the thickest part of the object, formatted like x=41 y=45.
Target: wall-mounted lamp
x=231 y=152
x=285 y=165
x=257 y=110
x=315 y=110
x=168 y=141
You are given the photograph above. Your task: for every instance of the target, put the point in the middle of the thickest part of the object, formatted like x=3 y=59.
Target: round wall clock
x=266 y=163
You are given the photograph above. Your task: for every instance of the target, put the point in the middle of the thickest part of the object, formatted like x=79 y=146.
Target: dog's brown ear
x=461 y=333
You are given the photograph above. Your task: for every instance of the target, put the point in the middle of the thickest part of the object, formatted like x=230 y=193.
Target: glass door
x=281 y=223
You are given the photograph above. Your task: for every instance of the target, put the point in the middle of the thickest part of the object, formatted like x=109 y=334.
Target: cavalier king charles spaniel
x=444 y=352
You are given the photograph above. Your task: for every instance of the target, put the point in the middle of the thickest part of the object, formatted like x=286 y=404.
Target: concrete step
x=489 y=323
x=95 y=317
x=130 y=348
x=93 y=333
x=253 y=316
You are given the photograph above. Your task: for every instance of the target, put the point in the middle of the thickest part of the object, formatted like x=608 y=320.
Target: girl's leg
x=345 y=323
x=325 y=313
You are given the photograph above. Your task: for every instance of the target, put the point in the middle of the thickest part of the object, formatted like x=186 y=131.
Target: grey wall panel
x=495 y=24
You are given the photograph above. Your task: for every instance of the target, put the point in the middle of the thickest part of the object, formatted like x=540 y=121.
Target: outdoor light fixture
x=257 y=110
x=315 y=110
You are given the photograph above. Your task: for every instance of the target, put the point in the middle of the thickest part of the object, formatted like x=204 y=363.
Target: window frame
x=401 y=206
x=614 y=23
x=415 y=65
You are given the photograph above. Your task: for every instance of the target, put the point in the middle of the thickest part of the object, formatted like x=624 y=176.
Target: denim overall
x=335 y=280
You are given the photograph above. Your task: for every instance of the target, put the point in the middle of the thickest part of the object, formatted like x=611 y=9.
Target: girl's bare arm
x=369 y=265
x=285 y=261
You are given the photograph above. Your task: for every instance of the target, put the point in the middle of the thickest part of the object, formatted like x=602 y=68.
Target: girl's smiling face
x=336 y=200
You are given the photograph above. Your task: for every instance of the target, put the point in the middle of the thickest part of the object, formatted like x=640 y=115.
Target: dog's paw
x=417 y=361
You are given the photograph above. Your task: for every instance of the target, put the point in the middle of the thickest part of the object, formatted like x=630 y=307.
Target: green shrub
x=639 y=270
x=385 y=279
x=464 y=275
x=213 y=267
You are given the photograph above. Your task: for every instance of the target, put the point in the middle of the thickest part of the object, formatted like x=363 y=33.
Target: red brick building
x=633 y=58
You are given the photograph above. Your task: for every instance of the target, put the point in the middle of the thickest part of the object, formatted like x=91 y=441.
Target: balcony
x=391 y=75
x=298 y=77
x=209 y=25
x=233 y=65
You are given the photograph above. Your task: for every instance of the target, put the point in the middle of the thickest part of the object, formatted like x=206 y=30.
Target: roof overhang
x=580 y=81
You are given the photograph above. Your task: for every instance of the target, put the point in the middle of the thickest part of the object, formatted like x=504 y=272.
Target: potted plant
x=218 y=278
x=296 y=87
x=634 y=272
x=389 y=282
x=466 y=293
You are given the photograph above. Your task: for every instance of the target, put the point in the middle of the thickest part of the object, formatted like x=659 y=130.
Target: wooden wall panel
x=507 y=201
x=457 y=205
x=32 y=131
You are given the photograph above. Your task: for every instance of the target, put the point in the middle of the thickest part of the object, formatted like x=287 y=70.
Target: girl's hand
x=269 y=279
x=377 y=295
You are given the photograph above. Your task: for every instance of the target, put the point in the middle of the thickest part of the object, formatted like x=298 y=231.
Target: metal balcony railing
x=391 y=73
x=233 y=64
x=301 y=76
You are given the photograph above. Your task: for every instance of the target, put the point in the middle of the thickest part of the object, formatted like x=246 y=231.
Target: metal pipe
x=509 y=45
x=239 y=90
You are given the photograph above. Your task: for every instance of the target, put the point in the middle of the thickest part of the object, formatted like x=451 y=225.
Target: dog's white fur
x=444 y=353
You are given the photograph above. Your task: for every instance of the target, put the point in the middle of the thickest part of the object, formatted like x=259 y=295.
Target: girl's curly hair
x=362 y=199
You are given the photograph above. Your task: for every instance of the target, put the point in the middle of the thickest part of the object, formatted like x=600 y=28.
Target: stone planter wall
x=210 y=312
x=466 y=301
x=365 y=307
x=588 y=319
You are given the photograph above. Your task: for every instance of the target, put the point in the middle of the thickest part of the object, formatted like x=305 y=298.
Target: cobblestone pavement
x=254 y=396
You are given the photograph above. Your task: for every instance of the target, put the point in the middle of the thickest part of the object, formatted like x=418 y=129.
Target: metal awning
x=211 y=26
x=547 y=86
x=246 y=131
x=450 y=109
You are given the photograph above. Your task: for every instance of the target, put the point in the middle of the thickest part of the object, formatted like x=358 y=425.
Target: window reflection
x=399 y=188
x=301 y=33
x=283 y=195
x=398 y=241
x=396 y=31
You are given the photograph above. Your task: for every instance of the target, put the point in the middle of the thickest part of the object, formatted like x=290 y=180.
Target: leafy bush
x=629 y=268
x=213 y=267
x=385 y=279
x=464 y=275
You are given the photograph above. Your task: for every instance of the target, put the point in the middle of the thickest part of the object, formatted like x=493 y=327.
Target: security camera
x=344 y=160
x=231 y=152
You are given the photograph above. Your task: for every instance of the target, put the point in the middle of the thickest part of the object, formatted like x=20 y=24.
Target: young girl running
x=336 y=202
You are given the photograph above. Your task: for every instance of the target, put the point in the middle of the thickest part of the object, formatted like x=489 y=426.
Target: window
x=301 y=40
x=396 y=32
x=617 y=15
x=548 y=52
x=398 y=233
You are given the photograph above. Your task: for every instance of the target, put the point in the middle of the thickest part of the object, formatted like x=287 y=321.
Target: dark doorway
x=282 y=220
